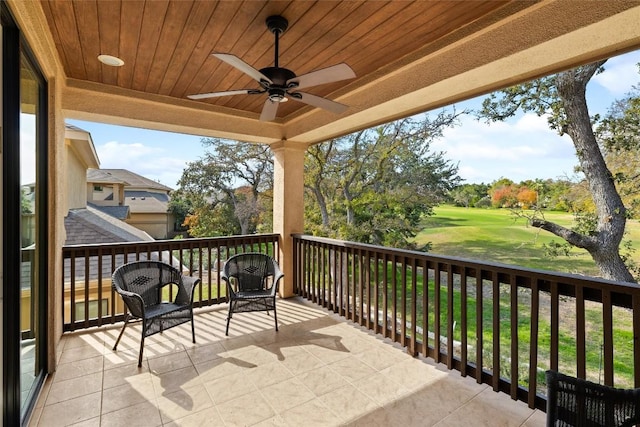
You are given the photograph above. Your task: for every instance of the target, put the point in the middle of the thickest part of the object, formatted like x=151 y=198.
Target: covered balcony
x=375 y=336
x=369 y=334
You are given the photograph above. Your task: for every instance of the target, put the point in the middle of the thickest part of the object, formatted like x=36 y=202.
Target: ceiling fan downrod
x=277 y=25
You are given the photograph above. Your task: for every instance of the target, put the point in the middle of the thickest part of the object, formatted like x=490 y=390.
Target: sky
x=519 y=149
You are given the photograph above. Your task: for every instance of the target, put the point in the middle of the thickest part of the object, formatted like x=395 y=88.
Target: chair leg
x=226 y=332
x=275 y=315
x=141 y=345
x=126 y=320
x=193 y=329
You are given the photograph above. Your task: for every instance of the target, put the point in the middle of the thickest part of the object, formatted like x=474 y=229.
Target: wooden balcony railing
x=88 y=299
x=501 y=324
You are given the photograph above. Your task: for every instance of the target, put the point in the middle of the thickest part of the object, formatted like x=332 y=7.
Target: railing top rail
x=177 y=242
x=545 y=275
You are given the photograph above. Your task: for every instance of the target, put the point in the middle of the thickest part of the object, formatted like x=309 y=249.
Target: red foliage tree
x=527 y=197
x=504 y=197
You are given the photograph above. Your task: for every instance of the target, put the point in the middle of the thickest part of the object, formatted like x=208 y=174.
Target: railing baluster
x=394 y=299
x=636 y=339
x=533 y=344
x=581 y=362
x=479 y=326
x=343 y=282
x=87 y=262
x=360 y=283
x=100 y=313
x=403 y=301
x=369 y=303
x=514 y=337
x=495 y=382
x=425 y=308
x=321 y=279
x=414 y=310
x=555 y=326
x=436 y=312
x=385 y=295
x=376 y=278
x=113 y=292
x=463 y=321
x=450 y=317
x=607 y=326
x=333 y=281
x=307 y=268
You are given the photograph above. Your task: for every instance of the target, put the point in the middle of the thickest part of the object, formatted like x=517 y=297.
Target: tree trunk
x=604 y=244
x=322 y=203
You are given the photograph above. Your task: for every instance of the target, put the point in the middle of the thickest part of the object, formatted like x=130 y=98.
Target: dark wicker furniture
x=252 y=284
x=581 y=403
x=145 y=287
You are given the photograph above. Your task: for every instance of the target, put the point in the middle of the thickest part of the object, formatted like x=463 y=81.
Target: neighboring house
x=87 y=223
x=141 y=202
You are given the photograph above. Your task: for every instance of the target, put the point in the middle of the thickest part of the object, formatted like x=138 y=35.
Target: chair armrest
x=188 y=284
x=133 y=301
x=276 y=281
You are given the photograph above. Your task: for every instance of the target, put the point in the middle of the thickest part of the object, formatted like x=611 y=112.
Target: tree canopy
x=227 y=191
x=374 y=186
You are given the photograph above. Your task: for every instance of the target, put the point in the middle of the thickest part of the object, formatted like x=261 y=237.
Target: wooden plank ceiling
x=166 y=45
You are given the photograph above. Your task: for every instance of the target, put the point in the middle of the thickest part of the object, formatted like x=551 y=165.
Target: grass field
x=497 y=235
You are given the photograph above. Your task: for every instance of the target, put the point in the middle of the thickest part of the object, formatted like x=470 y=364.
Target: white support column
x=288 y=205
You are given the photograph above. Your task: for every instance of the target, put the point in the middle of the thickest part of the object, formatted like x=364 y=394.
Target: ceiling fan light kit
x=281 y=84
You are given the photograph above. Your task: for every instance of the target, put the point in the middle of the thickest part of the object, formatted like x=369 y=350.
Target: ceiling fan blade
x=218 y=94
x=269 y=111
x=331 y=74
x=238 y=63
x=316 y=101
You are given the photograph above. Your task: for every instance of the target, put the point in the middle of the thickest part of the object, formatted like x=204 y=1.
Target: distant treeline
x=558 y=195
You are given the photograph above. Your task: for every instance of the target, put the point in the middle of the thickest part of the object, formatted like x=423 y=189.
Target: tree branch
x=573 y=238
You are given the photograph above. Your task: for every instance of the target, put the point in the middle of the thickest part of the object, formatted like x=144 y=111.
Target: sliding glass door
x=24 y=228
x=31 y=221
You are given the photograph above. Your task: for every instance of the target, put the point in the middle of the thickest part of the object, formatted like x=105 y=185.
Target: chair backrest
x=250 y=270
x=145 y=278
x=577 y=402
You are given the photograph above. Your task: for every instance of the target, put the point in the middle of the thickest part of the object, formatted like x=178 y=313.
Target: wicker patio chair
x=252 y=284
x=581 y=403
x=143 y=286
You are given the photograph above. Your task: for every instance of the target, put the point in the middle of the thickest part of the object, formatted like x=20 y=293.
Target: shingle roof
x=135 y=180
x=146 y=202
x=93 y=226
x=120 y=212
x=162 y=197
x=103 y=176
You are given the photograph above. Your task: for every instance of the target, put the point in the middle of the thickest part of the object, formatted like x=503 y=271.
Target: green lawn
x=497 y=235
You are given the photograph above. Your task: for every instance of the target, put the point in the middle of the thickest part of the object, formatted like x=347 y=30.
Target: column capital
x=288 y=145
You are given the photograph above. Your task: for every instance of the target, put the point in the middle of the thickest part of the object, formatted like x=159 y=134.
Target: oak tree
x=375 y=185
x=562 y=99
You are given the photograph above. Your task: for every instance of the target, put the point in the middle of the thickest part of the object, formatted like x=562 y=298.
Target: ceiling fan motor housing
x=279 y=76
x=277 y=24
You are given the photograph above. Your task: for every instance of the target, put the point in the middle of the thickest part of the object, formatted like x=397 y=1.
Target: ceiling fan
x=279 y=83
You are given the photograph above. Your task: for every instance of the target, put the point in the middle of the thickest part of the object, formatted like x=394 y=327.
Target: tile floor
x=318 y=370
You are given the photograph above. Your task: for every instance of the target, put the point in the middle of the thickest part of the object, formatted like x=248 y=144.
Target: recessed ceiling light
x=111 y=60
